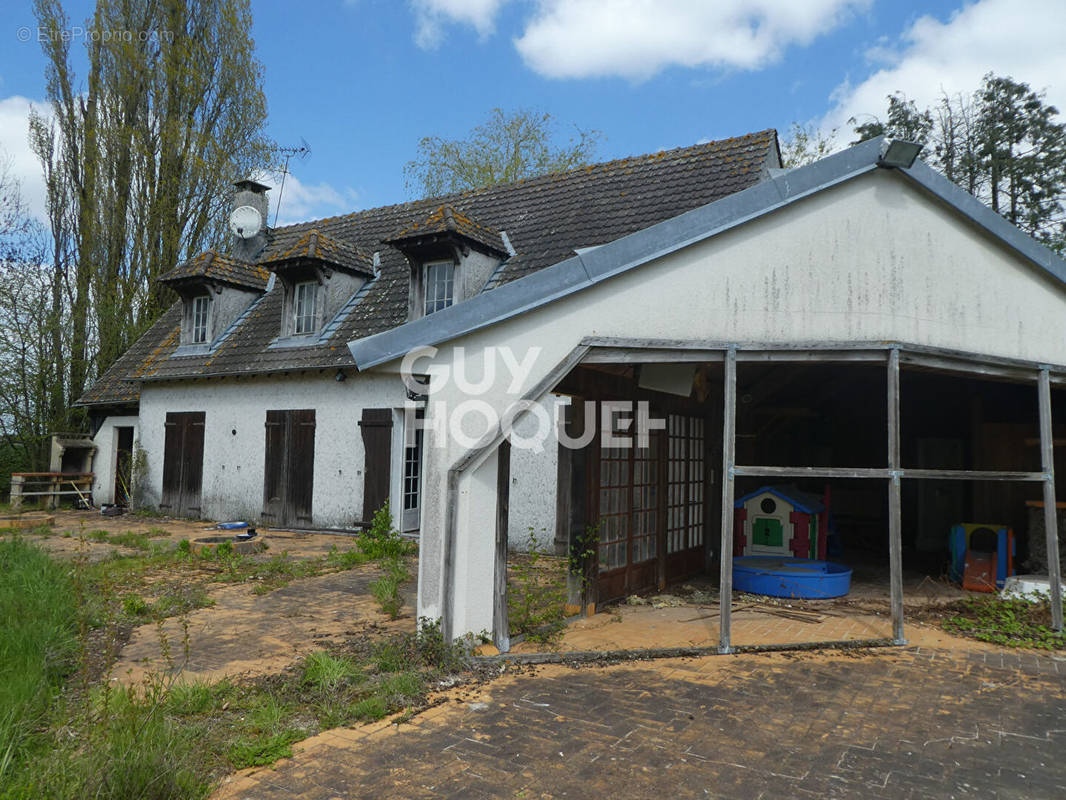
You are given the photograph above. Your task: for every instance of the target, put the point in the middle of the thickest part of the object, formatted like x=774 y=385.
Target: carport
x=655 y=507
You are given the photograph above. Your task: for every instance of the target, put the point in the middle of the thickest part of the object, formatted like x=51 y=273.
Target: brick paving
x=626 y=627
x=909 y=723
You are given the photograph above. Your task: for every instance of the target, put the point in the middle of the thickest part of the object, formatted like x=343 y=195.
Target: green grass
x=260 y=751
x=67 y=735
x=325 y=673
x=37 y=644
x=386 y=589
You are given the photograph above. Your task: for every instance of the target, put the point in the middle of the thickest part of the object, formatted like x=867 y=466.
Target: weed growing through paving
x=1006 y=621
x=386 y=589
x=536 y=594
x=381 y=539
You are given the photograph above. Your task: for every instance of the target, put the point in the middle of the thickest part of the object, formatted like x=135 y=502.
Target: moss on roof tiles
x=545 y=217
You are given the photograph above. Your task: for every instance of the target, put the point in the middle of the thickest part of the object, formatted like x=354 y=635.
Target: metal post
x=729 y=442
x=1051 y=513
x=501 y=633
x=895 y=546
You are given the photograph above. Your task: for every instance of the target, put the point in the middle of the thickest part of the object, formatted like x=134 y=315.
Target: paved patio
x=882 y=724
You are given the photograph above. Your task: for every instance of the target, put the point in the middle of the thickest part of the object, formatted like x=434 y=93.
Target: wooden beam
x=729 y=444
x=1051 y=517
x=895 y=515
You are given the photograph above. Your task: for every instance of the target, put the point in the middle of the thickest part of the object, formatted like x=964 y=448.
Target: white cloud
x=432 y=15
x=1019 y=38
x=15 y=151
x=301 y=202
x=637 y=38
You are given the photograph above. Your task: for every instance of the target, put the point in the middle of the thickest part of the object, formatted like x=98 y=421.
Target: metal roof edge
x=987 y=219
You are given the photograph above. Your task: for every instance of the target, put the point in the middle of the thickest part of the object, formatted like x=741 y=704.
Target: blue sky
x=363 y=80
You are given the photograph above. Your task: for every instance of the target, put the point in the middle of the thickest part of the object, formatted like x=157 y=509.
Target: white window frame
x=304 y=320
x=438 y=283
x=200 y=319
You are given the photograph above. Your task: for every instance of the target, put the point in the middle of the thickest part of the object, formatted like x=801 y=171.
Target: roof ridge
x=440 y=200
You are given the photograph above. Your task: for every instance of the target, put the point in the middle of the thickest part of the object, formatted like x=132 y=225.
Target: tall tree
x=1003 y=144
x=805 y=144
x=507 y=147
x=139 y=159
x=32 y=338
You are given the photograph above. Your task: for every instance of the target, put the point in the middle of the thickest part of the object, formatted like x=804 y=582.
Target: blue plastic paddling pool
x=790 y=577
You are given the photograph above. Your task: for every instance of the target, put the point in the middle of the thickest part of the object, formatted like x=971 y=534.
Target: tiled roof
x=545 y=219
x=220 y=267
x=445 y=219
x=315 y=245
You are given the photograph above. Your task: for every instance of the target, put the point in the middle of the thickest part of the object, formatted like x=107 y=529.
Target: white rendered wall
x=106 y=441
x=873 y=259
x=534 y=475
x=233 y=462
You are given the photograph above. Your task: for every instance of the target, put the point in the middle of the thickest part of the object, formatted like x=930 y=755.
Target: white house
x=244 y=400
x=703 y=322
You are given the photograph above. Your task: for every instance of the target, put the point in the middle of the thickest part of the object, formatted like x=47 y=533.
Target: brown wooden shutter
x=301 y=476
x=183 y=462
x=192 y=478
x=172 y=462
x=377 y=448
x=274 y=464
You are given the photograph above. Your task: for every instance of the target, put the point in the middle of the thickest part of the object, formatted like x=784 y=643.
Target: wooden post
x=501 y=624
x=729 y=443
x=895 y=546
x=1051 y=515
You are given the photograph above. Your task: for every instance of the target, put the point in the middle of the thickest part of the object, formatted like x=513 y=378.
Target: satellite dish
x=245 y=221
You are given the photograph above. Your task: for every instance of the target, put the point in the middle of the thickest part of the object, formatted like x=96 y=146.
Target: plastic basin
x=790 y=577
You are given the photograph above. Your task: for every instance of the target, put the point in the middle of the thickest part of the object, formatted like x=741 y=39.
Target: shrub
x=381 y=540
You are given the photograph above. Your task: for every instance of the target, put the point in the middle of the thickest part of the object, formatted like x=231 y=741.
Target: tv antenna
x=301 y=152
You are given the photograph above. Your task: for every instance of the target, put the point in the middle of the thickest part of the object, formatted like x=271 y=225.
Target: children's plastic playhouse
x=982 y=555
x=781 y=521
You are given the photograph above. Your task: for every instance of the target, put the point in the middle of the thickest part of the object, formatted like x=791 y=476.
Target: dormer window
x=439 y=285
x=451 y=258
x=304 y=307
x=215 y=290
x=201 y=313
